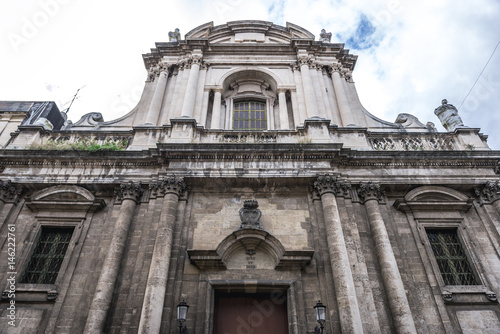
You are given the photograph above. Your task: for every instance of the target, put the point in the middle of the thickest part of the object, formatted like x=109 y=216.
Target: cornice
x=334 y=153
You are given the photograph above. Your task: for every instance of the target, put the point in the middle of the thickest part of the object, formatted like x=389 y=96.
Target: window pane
x=48 y=256
x=249 y=115
x=450 y=257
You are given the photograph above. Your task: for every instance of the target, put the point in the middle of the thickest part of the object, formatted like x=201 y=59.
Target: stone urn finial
x=448 y=115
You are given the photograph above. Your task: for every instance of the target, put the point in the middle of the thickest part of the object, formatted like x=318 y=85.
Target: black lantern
x=182 y=310
x=320 y=317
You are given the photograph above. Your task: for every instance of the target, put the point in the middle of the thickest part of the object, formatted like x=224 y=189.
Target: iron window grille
x=249 y=115
x=48 y=256
x=450 y=257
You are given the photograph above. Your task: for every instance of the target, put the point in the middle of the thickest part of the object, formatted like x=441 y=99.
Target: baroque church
x=249 y=191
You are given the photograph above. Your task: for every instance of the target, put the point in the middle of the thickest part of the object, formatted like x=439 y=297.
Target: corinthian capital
x=370 y=190
x=331 y=184
x=171 y=184
x=336 y=67
x=489 y=193
x=8 y=192
x=303 y=60
x=195 y=59
x=129 y=190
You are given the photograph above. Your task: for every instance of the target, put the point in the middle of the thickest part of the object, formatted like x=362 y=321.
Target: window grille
x=450 y=256
x=48 y=256
x=249 y=115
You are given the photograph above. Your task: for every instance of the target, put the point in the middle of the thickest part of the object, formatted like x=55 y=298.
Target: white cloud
x=427 y=50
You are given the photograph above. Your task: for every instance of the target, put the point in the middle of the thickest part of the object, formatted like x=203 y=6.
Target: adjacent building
x=250 y=183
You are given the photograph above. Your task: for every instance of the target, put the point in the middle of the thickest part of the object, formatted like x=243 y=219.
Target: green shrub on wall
x=81 y=145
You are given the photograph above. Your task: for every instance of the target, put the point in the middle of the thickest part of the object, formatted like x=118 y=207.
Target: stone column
x=340 y=94
x=299 y=96
x=350 y=320
x=152 y=308
x=204 y=108
x=130 y=194
x=370 y=193
x=155 y=106
x=190 y=97
x=315 y=70
x=216 y=109
x=283 y=110
x=310 y=96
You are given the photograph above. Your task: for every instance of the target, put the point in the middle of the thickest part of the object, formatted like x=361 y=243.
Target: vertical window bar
x=450 y=257
x=48 y=256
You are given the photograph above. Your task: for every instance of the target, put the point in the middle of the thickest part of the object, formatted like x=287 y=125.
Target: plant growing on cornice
x=81 y=145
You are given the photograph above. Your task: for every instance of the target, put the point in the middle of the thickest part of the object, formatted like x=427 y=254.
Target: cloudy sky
x=412 y=54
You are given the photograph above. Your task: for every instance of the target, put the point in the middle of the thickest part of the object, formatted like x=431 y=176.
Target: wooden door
x=250 y=313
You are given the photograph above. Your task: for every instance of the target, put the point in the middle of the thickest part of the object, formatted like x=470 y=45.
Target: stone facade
x=184 y=199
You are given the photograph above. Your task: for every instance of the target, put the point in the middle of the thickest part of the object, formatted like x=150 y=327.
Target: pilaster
x=283 y=110
x=216 y=112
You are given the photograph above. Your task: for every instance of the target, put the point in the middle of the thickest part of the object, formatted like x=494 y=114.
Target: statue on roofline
x=325 y=36
x=174 y=36
x=448 y=115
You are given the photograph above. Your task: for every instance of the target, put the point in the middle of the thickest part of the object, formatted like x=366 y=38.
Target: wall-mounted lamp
x=182 y=310
x=320 y=317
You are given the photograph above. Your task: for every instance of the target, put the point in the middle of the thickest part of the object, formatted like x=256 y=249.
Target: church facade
x=249 y=183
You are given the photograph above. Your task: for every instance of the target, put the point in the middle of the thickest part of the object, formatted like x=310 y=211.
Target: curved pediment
x=434 y=198
x=252 y=31
x=64 y=197
x=250 y=248
x=435 y=193
x=66 y=192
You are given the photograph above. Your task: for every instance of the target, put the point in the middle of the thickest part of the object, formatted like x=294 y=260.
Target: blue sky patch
x=364 y=36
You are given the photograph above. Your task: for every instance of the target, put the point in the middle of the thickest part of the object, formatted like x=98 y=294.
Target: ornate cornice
x=170 y=185
x=129 y=190
x=489 y=192
x=8 y=192
x=369 y=191
x=331 y=184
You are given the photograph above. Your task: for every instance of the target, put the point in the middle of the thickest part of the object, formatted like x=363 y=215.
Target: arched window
x=249 y=115
x=249 y=102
